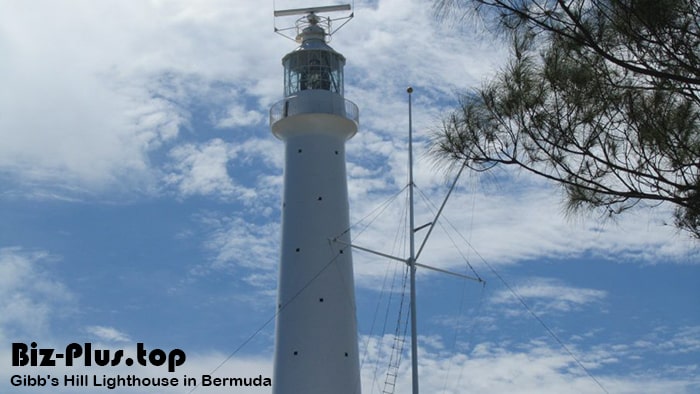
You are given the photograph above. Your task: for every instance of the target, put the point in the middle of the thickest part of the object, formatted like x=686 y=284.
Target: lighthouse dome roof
x=313 y=38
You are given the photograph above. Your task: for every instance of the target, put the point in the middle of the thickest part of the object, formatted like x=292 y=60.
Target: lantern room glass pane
x=312 y=69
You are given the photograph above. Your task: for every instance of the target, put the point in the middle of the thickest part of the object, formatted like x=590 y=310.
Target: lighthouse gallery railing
x=332 y=104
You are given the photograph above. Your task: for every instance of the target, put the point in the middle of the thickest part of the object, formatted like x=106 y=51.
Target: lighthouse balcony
x=314 y=102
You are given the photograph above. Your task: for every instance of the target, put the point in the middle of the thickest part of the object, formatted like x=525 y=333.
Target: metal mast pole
x=411 y=260
x=412 y=257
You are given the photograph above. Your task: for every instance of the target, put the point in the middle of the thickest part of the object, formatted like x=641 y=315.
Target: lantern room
x=313 y=75
x=314 y=65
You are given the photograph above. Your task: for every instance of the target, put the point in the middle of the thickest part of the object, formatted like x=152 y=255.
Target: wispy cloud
x=549 y=295
x=202 y=170
x=237 y=116
x=30 y=296
x=235 y=241
x=492 y=367
x=224 y=170
x=109 y=334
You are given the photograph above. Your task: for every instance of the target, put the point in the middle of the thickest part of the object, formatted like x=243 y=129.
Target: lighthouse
x=316 y=349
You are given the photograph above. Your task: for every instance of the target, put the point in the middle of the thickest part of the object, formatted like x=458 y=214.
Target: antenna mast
x=411 y=260
x=412 y=256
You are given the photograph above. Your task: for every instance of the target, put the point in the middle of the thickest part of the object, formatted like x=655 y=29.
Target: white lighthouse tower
x=316 y=348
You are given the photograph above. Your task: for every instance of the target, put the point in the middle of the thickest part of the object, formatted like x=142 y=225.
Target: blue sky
x=140 y=193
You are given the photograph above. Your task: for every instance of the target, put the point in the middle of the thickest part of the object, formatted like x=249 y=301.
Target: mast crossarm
x=449 y=272
x=388 y=256
x=406 y=261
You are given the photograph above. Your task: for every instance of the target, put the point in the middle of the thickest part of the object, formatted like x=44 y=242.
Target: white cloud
x=218 y=169
x=245 y=244
x=509 y=218
x=238 y=115
x=109 y=334
x=68 y=116
x=202 y=169
x=672 y=340
x=549 y=295
x=89 y=97
x=30 y=297
x=245 y=250
x=489 y=367
x=91 y=89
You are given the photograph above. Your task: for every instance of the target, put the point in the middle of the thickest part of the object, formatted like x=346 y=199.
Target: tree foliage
x=598 y=95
